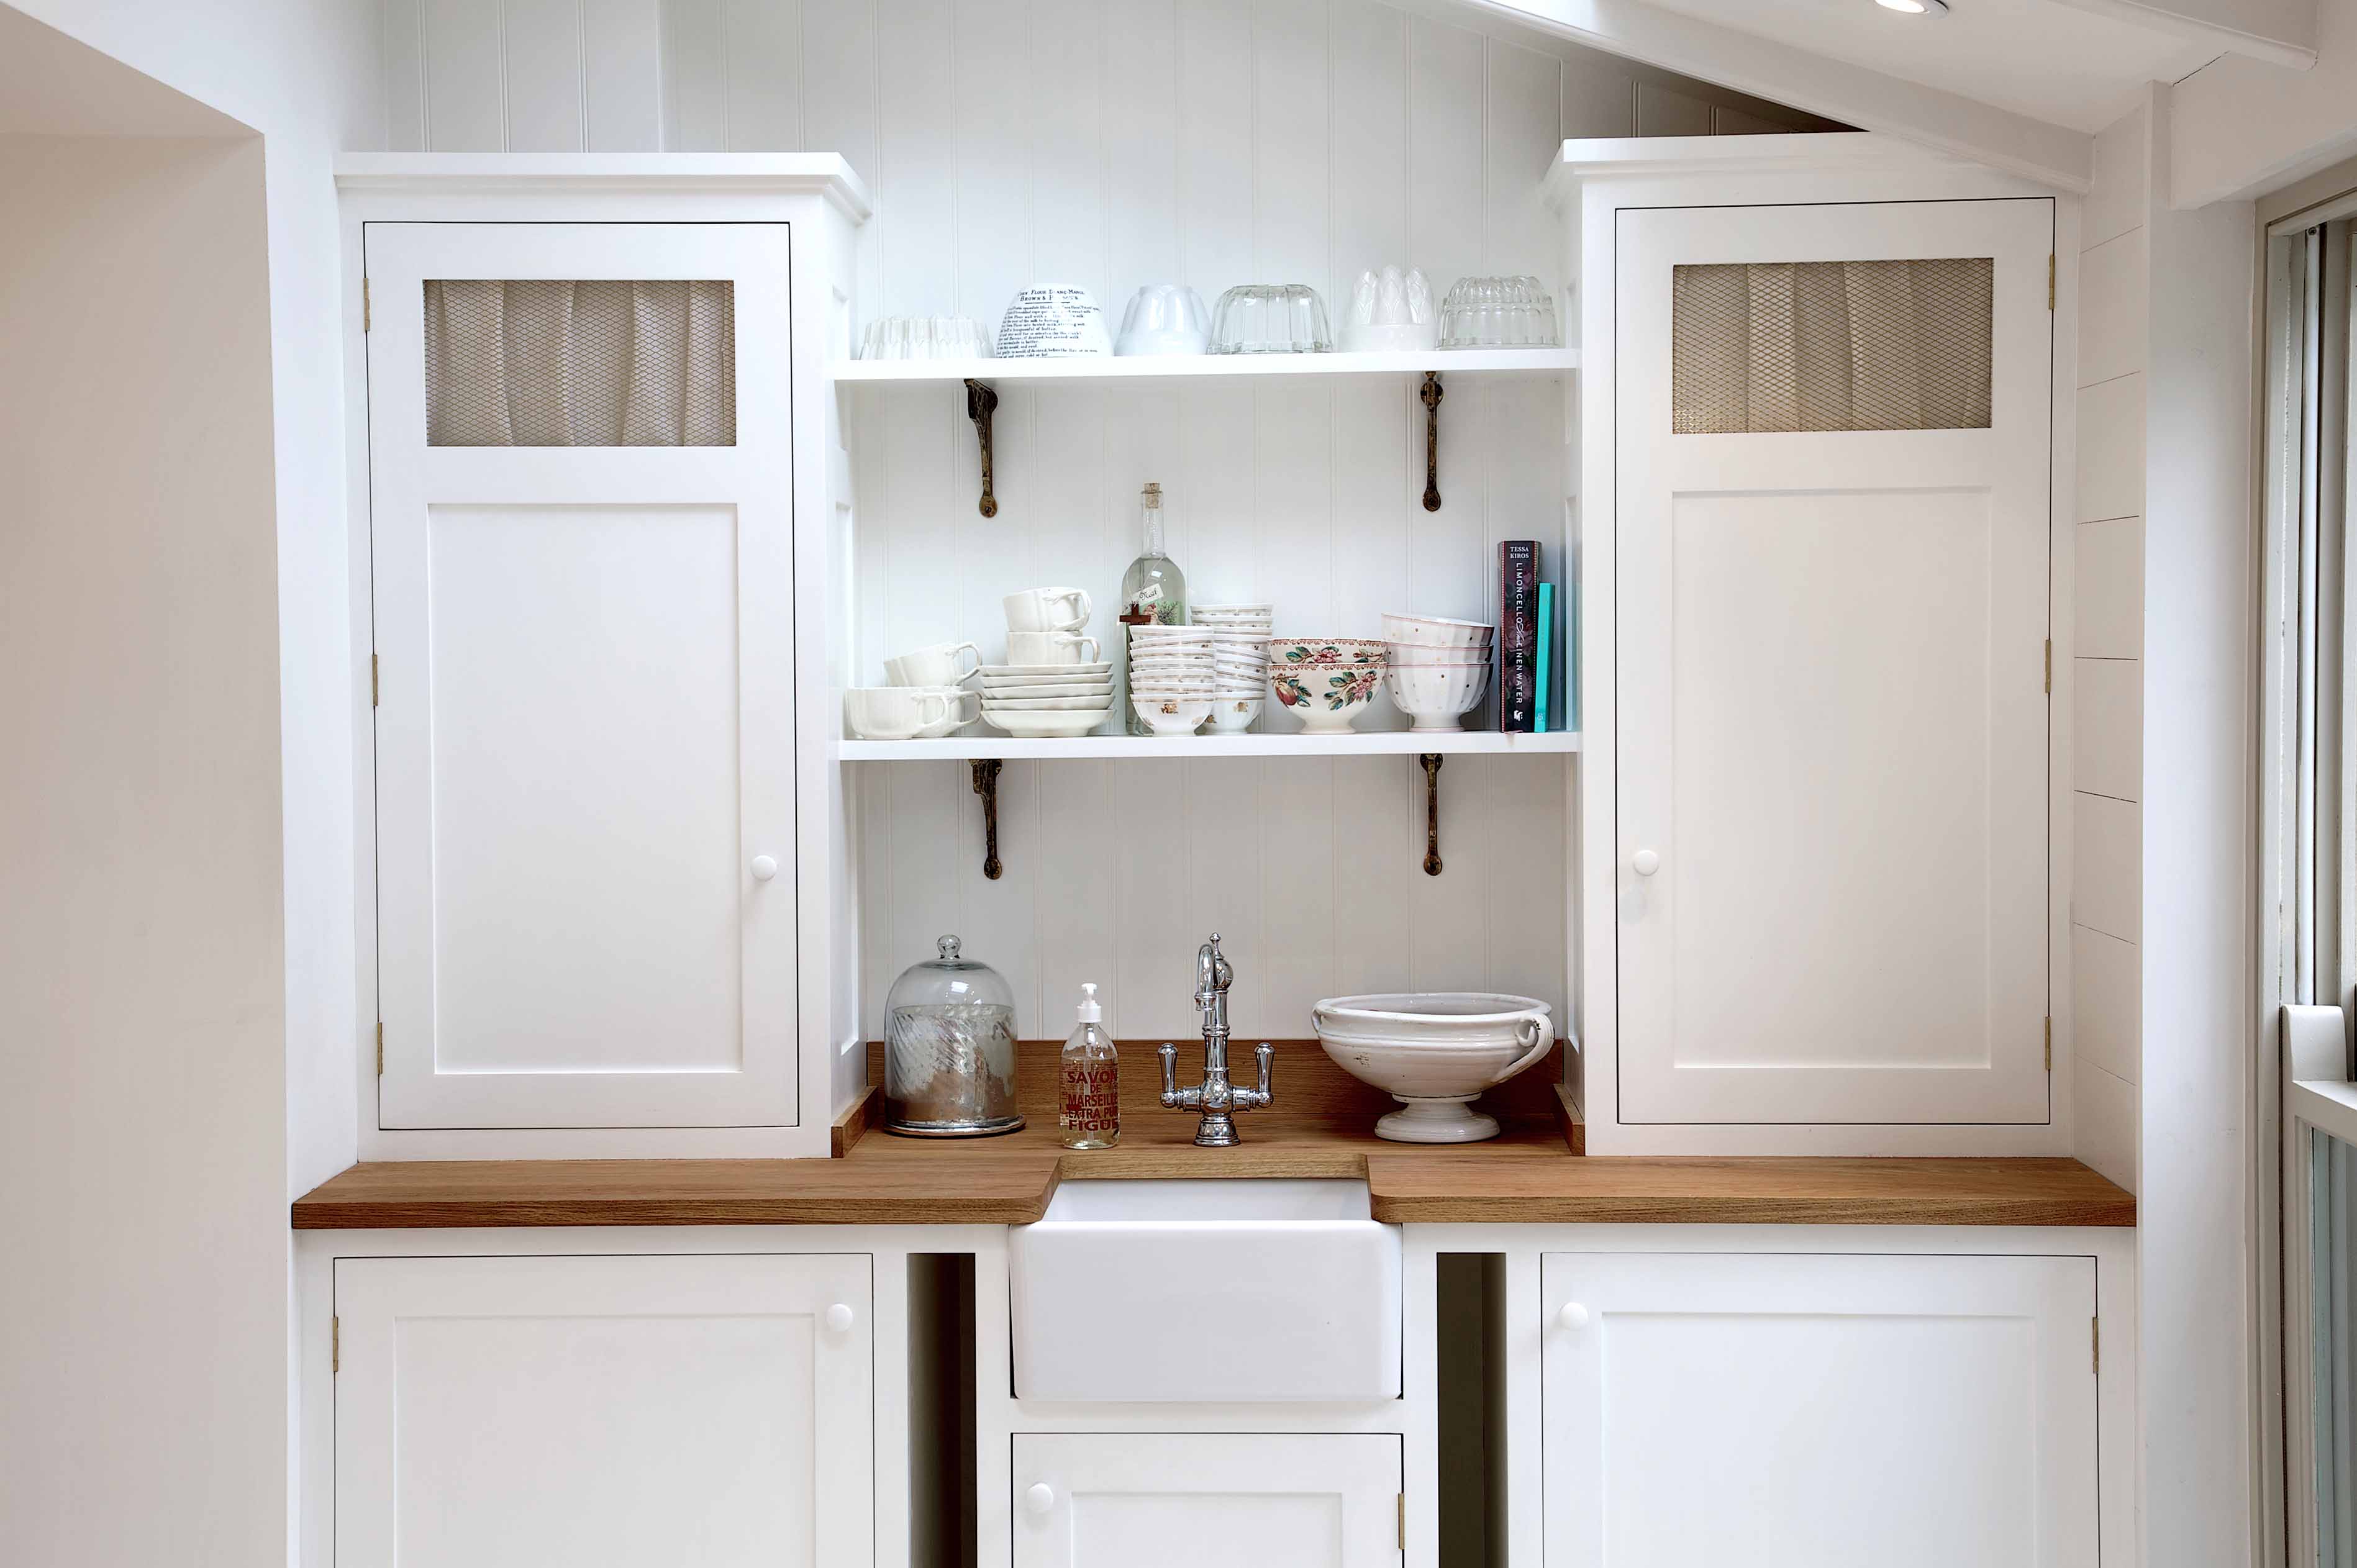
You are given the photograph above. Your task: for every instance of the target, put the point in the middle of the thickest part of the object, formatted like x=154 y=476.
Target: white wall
x=303 y=73
x=144 y=1306
x=2199 y=886
x=2107 y=722
x=1111 y=142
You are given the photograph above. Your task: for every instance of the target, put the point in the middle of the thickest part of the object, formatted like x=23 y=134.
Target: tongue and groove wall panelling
x=1107 y=143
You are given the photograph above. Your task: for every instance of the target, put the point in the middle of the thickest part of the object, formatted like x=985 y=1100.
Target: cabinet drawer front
x=614 y=1411
x=1141 y=1500
x=1810 y=1411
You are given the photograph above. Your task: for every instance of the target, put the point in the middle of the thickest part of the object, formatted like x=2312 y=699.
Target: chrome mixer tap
x=1215 y=1097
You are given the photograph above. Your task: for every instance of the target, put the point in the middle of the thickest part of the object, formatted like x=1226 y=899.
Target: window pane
x=543 y=363
x=2332 y=1218
x=1791 y=346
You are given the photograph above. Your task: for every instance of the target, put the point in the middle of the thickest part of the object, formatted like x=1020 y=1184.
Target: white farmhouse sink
x=1207 y=1292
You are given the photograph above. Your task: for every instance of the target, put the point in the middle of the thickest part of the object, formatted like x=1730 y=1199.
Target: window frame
x=2306 y=938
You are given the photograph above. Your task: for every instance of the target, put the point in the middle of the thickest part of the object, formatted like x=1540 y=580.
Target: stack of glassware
x=1270 y=318
x=924 y=337
x=1498 y=313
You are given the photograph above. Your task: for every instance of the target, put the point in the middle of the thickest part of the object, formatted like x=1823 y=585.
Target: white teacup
x=1050 y=648
x=937 y=665
x=966 y=706
x=896 y=713
x=1047 y=609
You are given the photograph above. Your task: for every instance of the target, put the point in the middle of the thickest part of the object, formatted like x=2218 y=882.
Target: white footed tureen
x=1435 y=1051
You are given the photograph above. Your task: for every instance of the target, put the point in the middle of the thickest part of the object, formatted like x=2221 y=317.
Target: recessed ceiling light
x=1916 y=7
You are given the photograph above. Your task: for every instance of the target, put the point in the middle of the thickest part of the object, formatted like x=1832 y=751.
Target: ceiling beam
x=2052 y=155
x=2282 y=32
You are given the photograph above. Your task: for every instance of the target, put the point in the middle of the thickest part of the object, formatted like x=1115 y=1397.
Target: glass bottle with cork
x=1153 y=593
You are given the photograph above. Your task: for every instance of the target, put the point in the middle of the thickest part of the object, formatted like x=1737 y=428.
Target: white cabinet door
x=603 y=1412
x=585 y=677
x=1133 y=1500
x=1819 y=1411
x=1832 y=719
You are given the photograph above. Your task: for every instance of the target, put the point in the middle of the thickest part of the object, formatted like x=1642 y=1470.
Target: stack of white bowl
x=1239 y=662
x=1040 y=701
x=1171 y=677
x=1439 y=668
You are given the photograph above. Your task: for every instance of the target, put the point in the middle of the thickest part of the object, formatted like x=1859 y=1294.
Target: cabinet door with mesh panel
x=1832 y=443
x=581 y=523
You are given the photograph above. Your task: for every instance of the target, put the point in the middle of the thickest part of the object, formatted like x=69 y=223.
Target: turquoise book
x=1546 y=653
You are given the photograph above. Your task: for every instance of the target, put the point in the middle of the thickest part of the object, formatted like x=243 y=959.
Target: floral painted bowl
x=1325 y=682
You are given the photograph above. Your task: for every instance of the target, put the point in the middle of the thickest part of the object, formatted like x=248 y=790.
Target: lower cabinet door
x=1819 y=1411
x=1127 y=1500
x=603 y=1411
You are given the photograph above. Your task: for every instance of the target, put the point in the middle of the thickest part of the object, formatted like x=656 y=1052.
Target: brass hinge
x=373 y=697
x=1403 y=1522
x=335 y=1345
x=380 y=1048
x=368 y=316
x=2049 y=666
x=2096 y=1345
x=2050 y=1045
x=2049 y=280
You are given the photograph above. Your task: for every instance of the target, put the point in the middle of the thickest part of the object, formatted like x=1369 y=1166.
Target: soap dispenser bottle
x=1090 y=1117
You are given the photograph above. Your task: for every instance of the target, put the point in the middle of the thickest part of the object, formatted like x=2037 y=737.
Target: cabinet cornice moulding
x=1583 y=161
x=824 y=173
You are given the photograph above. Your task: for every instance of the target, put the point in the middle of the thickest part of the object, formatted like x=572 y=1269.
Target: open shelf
x=1448 y=361
x=1379 y=743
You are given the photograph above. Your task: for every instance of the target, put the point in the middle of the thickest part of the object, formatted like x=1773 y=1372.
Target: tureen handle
x=1541 y=1041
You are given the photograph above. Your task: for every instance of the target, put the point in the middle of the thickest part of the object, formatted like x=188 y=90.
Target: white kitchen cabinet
x=606 y=829
x=1819 y=1411
x=1833 y=689
x=603 y=1411
x=1142 y=1500
x=585 y=688
x=1821 y=768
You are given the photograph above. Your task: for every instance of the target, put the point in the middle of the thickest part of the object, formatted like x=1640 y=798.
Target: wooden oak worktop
x=1525 y=1178
x=1322 y=1125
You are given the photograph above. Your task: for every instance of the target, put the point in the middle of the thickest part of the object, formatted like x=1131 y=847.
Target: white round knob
x=764 y=868
x=1041 y=1498
x=1573 y=1316
x=838 y=1317
x=1646 y=862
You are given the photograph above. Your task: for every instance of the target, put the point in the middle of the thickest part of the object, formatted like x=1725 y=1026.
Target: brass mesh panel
x=580 y=364
x=1770 y=347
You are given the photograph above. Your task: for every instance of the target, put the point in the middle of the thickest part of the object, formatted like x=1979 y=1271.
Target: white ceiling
x=2047 y=61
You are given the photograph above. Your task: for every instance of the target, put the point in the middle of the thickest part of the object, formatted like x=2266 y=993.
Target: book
x=1518 y=634
x=1546 y=654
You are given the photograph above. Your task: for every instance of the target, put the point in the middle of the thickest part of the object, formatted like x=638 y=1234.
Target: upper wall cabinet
x=595 y=880
x=583 y=532
x=1831 y=460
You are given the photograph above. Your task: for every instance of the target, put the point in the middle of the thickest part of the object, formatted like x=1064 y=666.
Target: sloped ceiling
x=2050 y=61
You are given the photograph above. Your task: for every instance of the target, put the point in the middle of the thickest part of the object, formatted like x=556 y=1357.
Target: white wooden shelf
x=1379 y=743
x=1448 y=361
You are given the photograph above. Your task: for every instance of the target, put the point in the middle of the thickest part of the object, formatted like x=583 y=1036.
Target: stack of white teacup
x=924 y=697
x=1052 y=684
x=1239 y=662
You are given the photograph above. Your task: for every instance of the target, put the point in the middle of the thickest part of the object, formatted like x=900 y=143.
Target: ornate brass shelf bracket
x=1432 y=394
x=1432 y=761
x=985 y=784
x=981 y=403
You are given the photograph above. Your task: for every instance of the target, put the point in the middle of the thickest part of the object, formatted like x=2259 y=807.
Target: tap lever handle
x=1267 y=1055
x=1169 y=1055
